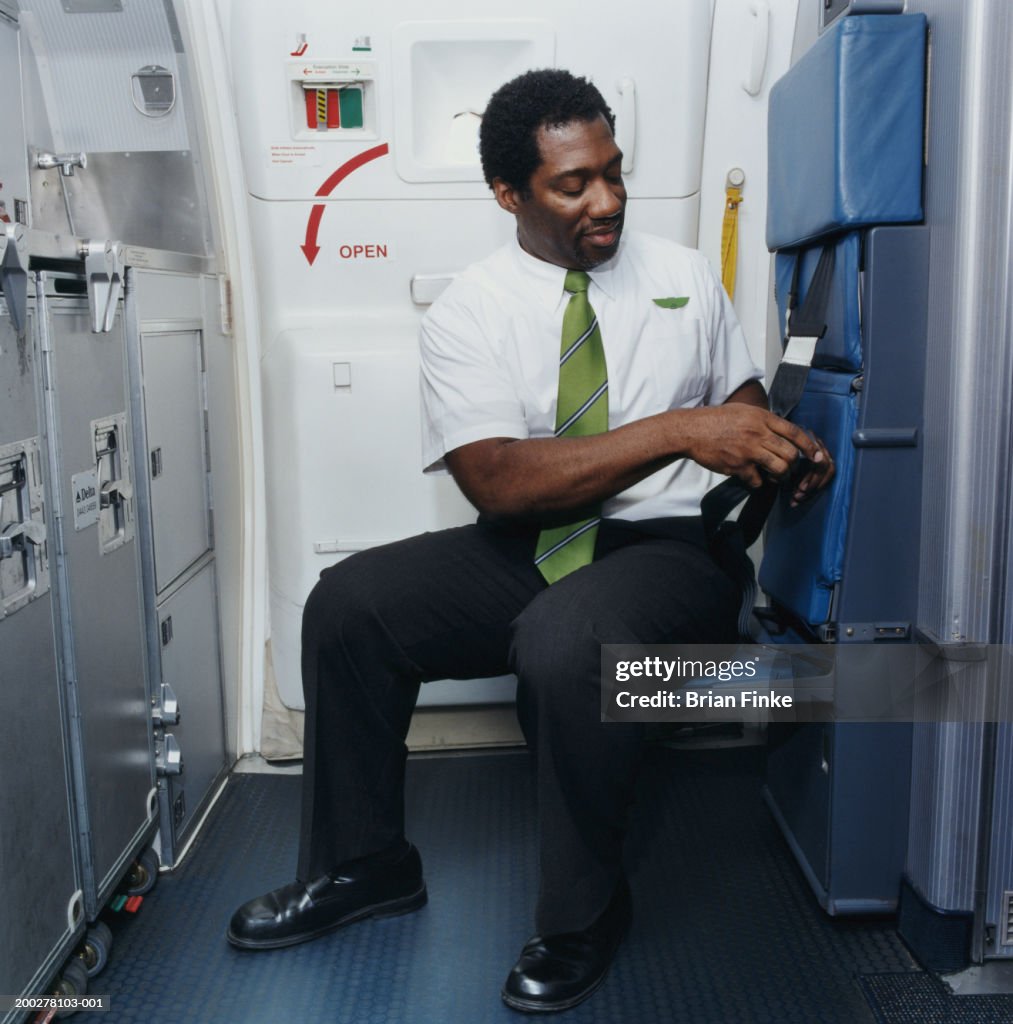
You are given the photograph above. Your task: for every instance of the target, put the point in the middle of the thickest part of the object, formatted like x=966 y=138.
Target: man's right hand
x=745 y=441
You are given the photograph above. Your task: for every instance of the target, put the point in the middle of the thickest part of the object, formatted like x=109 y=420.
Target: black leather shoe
x=560 y=971
x=381 y=886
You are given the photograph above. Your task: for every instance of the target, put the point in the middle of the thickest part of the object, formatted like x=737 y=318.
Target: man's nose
x=606 y=200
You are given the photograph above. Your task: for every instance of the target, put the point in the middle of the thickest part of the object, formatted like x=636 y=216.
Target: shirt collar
x=546 y=279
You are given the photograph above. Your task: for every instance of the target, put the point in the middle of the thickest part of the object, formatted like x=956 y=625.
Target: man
x=577 y=384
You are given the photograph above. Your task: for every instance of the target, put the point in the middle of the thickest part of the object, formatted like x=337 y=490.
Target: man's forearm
x=542 y=477
x=536 y=477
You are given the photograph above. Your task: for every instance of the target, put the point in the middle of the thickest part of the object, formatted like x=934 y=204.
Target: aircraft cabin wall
x=960 y=852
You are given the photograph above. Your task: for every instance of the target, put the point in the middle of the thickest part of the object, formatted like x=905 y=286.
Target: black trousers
x=469 y=603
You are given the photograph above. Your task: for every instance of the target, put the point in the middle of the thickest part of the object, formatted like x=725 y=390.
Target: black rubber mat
x=725 y=929
x=924 y=999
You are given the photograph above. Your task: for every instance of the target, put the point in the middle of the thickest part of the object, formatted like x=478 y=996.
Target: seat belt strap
x=806 y=325
x=730 y=540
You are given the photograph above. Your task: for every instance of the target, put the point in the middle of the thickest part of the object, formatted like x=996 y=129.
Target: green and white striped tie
x=581 y=409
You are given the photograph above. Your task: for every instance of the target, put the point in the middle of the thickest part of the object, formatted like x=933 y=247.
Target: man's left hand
x=811 y=477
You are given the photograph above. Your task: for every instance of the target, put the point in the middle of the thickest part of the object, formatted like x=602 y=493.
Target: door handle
x=31 y=532
x=626 y=122
x=760 y=12
x=115 y=492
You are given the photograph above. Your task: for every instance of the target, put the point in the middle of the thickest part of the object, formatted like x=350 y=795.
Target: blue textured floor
x=725 y=929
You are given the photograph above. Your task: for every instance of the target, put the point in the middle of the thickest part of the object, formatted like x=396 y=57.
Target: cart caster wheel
x=73 y=981
x=94 y=951
x=143 y=874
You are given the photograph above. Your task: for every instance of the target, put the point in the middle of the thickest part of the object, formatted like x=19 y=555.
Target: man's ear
x=506 y=195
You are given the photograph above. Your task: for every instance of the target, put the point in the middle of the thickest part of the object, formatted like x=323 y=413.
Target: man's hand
x=808 y=475
x=812 y=477
x=748 y=442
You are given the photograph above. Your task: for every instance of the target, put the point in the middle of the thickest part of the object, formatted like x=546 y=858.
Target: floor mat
x=725 y=931
x=924 y=999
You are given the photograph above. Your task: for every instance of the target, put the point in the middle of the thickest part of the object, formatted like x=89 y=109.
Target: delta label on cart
x=84 y=487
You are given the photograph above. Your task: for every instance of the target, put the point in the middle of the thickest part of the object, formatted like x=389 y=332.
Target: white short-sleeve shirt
x=490 y=355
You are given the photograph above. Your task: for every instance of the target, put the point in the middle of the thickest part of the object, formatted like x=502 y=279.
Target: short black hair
x=549 y=97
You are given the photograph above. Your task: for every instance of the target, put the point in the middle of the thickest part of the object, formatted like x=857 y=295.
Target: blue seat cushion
x=804 y=548
x=845 y=131
x=841 y=347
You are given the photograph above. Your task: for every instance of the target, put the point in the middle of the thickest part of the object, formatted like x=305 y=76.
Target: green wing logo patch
x=672 y=303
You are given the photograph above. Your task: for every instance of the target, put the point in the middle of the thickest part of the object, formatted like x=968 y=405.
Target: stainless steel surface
x=157 y=86
x=85 y=66
x=944 y=822
x=48 y=246
x=174 y=421
x=102 y=628
x=146 y=199
x=104 y=270
x=993 y=978
x=13 y=153
x=226 y=491
x=165 y=709
x=190 y=664
x=831 y=10
x=66 y=162
x=998 y=910
x=24 y=551
x=970 y=340
x=166 y=318
x=958 y=790
x=168 y=758
x=38 y=874
x=86 y=82
x=114 y=481
x=162 y=259
x=14 y=274
x=93 y=6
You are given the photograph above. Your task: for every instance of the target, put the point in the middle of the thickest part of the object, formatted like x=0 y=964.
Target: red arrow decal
x=351 y=165
x=310 y=247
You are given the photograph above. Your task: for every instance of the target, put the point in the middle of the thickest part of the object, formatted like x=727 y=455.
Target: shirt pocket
x=681 y=359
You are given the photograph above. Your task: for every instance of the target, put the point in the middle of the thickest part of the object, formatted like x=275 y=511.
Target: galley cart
x=98 y=579
x=171 y=315
x=39 y=878
x=40 y=871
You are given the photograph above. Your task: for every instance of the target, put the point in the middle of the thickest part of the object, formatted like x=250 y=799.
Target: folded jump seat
x=845 y=176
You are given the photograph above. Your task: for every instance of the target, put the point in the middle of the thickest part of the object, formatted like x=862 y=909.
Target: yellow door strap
x=734 y=184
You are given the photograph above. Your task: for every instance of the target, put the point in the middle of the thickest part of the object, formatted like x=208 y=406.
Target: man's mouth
x=606 y=236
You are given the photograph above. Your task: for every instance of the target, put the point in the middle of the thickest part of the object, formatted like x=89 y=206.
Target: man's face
x=572 y=215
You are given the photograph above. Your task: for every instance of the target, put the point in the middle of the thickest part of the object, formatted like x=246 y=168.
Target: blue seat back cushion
x=804 y=547
x=845 y=131
x=841 y=347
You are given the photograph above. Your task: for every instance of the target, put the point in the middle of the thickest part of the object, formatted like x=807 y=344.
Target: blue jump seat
x=845 y=143
x=845 y=151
